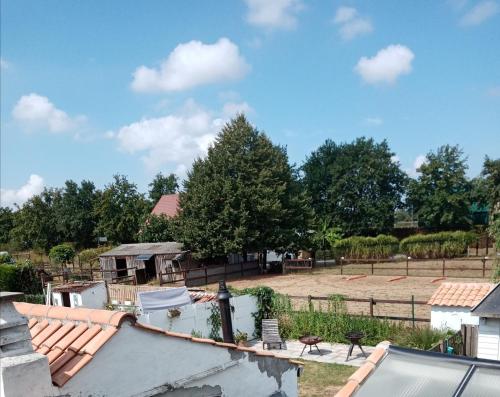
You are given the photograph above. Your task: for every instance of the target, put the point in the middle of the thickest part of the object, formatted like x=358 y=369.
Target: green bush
x=5 y=258
x=437 y=245
x=86 y=256
x=62 y=253
x=358 y=247
x=20 y=277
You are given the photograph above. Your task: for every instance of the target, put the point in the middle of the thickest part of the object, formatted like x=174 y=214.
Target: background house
x=143 y=260
x=91 y=294
x=488 y=313
x=451 y=304
x=167 y=205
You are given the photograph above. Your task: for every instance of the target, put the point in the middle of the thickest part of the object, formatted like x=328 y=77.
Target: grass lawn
x=321 y=380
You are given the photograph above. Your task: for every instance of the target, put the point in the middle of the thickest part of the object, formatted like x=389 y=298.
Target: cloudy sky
x=93 y=88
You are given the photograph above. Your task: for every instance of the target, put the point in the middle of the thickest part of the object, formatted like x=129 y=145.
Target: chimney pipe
x=225 y=312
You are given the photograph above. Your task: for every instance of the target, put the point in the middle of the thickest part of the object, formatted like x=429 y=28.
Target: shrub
x=437 y=245
x=62 y=253
x=5 y=258
x=421 y=338
x=20 y=277
x=86 y=256
x=358 y=247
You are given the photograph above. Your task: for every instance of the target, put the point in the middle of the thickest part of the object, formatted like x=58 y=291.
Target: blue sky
x=92 y=88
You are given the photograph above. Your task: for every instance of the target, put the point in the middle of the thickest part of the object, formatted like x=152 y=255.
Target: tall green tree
x=158 y=228
x=35 y=223
x=6 y=224
x=75 y=214
x=120 y=211
x=440 y=196
x=491 y=176
x=163 y=184
x=356 y=185
x=244 y=196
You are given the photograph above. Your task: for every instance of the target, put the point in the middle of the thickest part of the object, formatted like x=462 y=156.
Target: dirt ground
x=324 y=282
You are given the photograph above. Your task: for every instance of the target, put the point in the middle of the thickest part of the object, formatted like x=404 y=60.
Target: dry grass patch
x=321 y=380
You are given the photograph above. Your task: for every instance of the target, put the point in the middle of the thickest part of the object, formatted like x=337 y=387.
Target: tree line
x=246 y=196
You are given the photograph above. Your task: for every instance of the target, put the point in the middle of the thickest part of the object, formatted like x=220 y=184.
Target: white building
x=488 y=313
x=451 y=304
x=90 y=294
x=83 y=352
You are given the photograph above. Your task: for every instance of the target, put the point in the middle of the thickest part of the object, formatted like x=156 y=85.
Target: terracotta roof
x=460 y=294
x=168 y=205
x=358 y=377
x=70 y=337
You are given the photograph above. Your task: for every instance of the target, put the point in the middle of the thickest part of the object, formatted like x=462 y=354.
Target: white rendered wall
x=451 y=317
x=95 y=297
x=488 y=340
x=141 y=362
x=194 y=317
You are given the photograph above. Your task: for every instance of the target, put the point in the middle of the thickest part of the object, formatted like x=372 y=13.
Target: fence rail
x=372 y=302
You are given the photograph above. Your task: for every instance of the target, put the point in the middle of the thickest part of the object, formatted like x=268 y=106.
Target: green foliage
x=357 y=185
x=120 y=210
x=382 y=246
x=494 y=231
x=421 y=338
x=6 y=224
x=265 y=305
x=158 y=228
x=491 y=176
x=196 y=334
x=20 y=277
x=214 y=321
x=62 y=253
x=5 y=258
x=440 y=197
x=161 y=185
x=244 y=196
x=240 y=336
x=86 y=256
x=437 y=245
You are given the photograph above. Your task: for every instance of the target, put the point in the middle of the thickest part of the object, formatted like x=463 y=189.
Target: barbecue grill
x=355 y=338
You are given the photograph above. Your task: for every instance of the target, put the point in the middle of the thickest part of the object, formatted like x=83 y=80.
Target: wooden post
x=206 y=275
x=241 y=267
x=372 y=268
x=484 y=266
x=341 y=267
x=443 y=266
x=413 y=310
x=407 y=260
x=371 y=307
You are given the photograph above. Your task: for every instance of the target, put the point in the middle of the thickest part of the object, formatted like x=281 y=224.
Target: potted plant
x=241 y=338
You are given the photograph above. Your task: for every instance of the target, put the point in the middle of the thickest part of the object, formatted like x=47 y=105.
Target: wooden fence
x=372 y=302
x=463 y=342
x=409 y=267
x=210 y=274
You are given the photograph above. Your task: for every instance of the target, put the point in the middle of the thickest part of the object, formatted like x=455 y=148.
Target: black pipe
x=225 y=312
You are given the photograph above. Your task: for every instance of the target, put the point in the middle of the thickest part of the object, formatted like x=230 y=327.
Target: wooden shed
x=142 y=260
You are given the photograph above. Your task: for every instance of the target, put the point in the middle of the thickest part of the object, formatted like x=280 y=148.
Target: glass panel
x=484 y=383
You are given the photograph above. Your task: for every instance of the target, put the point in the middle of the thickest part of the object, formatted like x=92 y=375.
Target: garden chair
x=270 y=333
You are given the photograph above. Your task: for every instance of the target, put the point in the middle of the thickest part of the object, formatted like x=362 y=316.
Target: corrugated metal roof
x=168 y=205
x=145 y=248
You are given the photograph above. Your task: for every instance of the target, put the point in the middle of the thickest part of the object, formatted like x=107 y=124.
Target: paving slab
x=328 y=352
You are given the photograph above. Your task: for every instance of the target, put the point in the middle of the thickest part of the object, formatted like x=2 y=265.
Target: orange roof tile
x=460 y=294
x=168 y=205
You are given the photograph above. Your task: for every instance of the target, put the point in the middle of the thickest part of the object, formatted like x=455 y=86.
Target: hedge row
x=437 y=245
x=20 y=277
x=357 y=247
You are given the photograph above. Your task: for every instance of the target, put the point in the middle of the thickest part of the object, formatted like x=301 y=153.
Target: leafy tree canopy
x=440 y=196
x=157 y=229
x=6 y=224
x=163 y=184
x=120 y=211
x=356 y=185
x=62 y=253
x=244 y=196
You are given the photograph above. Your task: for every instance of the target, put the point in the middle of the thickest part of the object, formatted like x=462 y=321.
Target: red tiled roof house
x=168 y=205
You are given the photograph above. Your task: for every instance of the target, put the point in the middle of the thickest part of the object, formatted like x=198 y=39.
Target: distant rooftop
x=460 y=294
x=77 y=286
x=167 y=205
x=490 y=305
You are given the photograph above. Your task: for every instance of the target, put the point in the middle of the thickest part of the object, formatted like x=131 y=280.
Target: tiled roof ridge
x=95 y=316
x=362 y=373
x=461 y=294
x=212 y=342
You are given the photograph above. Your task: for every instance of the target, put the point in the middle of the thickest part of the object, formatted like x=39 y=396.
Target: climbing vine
x=215 y=323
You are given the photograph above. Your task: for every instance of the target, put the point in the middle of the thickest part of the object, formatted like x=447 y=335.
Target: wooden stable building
x=142 y=261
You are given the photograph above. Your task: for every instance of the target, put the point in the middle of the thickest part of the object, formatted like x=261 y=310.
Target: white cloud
x=34 y=186
x=387 y=65
x=192 y=64
x=480 y=13
x=374 y=121
x=175 y=139
x=231 y=109
x=4 y=64
x=351 y=24
x=36 y=111
x=273 y=14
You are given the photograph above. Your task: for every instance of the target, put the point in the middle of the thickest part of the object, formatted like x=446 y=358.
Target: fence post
x=241 y=267
x=341 y=266
x=407 y=260
x=206 y=275
x=371 y=307
x=443 y=266
x=413 y=310
x=372 y=268
x=484 y=266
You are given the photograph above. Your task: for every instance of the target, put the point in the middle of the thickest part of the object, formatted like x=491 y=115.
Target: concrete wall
x=141 y=362
x=445 y=317
x=194 y=317
x=488 y=339
x=92 y=298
